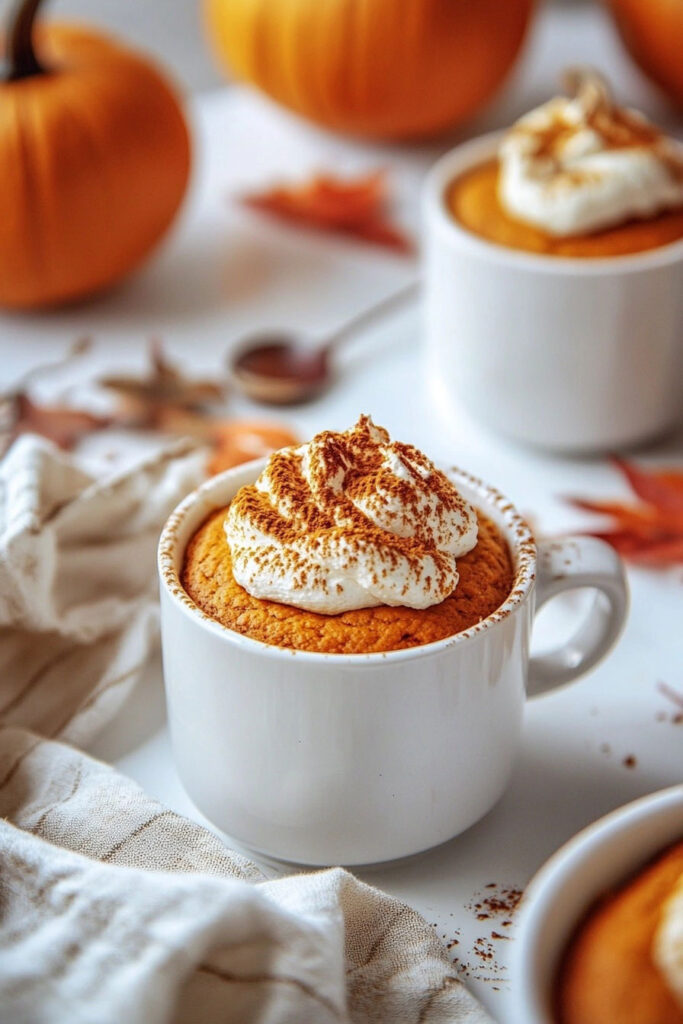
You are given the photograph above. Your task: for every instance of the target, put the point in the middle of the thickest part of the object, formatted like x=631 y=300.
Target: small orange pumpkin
x=94 y=161
x=652 y=31
x=382 y=68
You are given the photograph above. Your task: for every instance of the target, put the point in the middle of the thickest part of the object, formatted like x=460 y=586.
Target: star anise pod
x=144 y=401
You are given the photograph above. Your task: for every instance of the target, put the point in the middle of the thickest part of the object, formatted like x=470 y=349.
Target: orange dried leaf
x=163 y=400
x=663 y=489
x=649 y=533
x=357 y=207
x=642 y=519
x=647 y=551
x=237 y=441
x=231 y=441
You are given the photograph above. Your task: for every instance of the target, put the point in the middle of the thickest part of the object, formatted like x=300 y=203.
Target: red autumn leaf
x=645 y=520
x=663 y=489
x=646 y=551
x=357 y=207
x=59 y=423
x=649 y=533
x=660 y=553
x=671 y=694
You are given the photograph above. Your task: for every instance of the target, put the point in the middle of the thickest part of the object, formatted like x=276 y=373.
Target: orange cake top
x=473 y=200
x=610 y=973
x=486 y=579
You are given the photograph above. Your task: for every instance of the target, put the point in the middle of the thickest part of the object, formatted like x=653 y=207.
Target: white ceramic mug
x=351 y=759
x=570 y=354
x=591 y=864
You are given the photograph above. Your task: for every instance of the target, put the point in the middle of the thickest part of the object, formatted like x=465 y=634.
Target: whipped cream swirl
x=576 y=165
x=350 y=520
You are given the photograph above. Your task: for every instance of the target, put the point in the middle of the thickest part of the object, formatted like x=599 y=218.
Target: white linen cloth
x=112 y=907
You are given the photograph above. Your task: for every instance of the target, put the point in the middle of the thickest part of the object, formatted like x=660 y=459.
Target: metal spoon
x=278 y=368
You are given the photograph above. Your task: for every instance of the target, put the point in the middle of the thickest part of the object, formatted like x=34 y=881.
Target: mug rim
x=474 y=151
x=515 y=528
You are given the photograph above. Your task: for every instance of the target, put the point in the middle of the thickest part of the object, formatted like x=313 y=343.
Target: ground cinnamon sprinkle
x=481 y=963
x=342 y=471
x=499 y=901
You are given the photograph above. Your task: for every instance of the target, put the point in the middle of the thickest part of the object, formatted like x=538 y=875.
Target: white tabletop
x=586 y=749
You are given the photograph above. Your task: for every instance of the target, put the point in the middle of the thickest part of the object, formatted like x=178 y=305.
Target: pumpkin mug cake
x=314 y=717
x=350 y=544
x=553 y=267
x=625 y=962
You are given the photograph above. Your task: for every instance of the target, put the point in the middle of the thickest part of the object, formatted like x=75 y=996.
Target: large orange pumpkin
x=94 y=161
x=652 y=31
x=382 y=68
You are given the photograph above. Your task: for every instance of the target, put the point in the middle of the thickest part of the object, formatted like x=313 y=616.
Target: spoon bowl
x=281 y=370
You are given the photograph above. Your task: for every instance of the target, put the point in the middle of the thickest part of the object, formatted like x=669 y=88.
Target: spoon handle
x=372 y=313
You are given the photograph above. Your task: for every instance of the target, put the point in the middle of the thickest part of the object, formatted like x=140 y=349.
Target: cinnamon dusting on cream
x=581 y=163
x=486 y=582
x=350 y=520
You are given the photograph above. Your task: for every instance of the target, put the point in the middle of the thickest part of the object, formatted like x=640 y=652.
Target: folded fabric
x=114 y=908
x=78 y=582
x=117 y=909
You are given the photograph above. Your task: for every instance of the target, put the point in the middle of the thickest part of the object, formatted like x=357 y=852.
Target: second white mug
x=569 y=354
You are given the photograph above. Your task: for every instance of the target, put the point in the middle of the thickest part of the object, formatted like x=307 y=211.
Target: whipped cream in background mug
x=350 y=520
x=579 y=164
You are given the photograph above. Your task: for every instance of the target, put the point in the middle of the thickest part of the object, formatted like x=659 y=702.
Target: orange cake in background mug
x=577 y=177
x=349 y=544
x=625 y=963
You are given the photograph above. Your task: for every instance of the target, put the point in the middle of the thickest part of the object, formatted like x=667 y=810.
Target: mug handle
x=566 y=564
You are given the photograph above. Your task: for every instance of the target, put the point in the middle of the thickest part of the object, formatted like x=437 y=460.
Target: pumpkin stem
x=21 y=55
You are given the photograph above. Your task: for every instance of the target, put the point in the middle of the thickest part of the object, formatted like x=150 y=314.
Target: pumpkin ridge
x=31 y=195
x=367 y=67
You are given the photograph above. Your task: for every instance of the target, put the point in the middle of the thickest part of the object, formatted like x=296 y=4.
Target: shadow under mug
x=325 y=759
